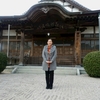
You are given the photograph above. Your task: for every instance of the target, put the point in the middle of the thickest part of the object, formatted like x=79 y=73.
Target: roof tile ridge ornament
x=45 y=9
x=73 y=2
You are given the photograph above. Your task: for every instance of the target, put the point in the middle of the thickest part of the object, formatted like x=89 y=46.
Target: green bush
x=3 y=61
x=91 y=63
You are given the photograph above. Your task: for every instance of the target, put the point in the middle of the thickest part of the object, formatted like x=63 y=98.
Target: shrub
x=91 y=63
x=3 y=61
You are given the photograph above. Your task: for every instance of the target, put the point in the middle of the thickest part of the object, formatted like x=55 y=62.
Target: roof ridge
x=74 y=3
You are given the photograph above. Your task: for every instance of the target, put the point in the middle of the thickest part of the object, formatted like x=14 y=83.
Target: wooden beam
x=14 y=40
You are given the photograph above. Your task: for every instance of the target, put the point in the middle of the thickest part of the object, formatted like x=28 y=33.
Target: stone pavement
x=32 y=87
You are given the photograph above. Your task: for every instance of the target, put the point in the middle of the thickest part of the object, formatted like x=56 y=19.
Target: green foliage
x=91 y=63
x=3 y=61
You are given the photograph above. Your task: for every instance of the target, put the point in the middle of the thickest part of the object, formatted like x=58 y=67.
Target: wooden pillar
x=21 y=57
x=77 y=47
x=32 y=46
x=16 y=40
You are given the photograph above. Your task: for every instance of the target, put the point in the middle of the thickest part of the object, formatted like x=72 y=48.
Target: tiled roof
x=73 y=3
x=76 y=4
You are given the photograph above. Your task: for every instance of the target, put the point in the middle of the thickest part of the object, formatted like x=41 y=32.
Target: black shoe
x=51 y=87
x=47 y=87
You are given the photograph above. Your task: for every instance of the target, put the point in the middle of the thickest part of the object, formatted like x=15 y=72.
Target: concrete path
x=32 y=87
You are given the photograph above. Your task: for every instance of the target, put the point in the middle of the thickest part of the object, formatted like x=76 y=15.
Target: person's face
x=49 y=42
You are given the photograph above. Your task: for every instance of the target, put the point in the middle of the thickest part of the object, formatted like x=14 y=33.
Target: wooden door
x=65 y=55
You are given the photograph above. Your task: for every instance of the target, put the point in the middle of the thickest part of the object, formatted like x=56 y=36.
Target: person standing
x=49 y=55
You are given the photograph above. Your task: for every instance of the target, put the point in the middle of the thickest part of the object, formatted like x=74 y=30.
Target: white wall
x=97 y=29
x=90 y=30
x=11 y=33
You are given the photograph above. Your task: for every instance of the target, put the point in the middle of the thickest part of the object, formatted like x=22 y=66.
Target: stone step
x=60 y=70
x=8 y=69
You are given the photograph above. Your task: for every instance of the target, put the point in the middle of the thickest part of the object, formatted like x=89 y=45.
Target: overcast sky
x=19 y=7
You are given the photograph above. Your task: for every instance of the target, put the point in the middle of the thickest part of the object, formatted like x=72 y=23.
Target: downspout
x=8 y=40
x=99 y=30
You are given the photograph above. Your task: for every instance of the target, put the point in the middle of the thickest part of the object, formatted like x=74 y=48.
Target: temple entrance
x=65 y=50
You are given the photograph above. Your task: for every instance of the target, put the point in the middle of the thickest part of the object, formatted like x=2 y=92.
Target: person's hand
x=48 y=62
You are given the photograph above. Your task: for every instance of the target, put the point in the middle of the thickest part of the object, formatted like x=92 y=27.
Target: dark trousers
x=49 y=75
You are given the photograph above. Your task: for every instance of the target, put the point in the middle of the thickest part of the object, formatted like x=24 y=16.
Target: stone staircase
x=38 y=70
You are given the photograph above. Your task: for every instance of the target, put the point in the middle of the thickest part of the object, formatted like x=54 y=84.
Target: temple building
x=73 y=28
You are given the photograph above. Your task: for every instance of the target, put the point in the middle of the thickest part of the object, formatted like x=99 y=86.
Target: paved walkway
x=32 y=87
